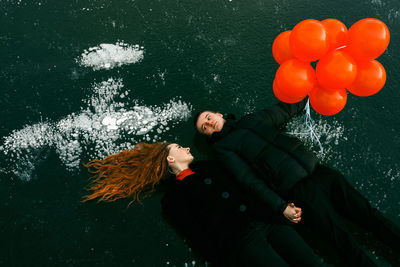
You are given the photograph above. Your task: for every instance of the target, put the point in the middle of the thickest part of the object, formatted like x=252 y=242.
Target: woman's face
x=179 y=155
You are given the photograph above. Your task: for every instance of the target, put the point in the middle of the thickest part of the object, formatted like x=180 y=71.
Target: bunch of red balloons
x=346 y=60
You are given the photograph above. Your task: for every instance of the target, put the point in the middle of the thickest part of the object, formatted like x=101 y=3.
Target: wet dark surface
x=213 y=54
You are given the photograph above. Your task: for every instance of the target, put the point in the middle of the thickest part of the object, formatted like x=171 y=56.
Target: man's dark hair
x=195 y=118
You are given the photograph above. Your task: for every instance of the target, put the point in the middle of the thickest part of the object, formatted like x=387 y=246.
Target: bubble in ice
x=377 y=2
x=329 y=135
x=103 y=126
x=109 y=56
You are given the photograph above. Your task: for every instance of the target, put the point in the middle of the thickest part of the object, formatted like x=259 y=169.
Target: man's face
x=209 y=122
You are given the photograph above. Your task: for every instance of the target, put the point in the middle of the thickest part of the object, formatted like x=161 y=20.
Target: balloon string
x=309 y=122
x=310 y=125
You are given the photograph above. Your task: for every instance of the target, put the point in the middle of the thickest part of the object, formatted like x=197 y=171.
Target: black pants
x=275 y=245
x=325 y=197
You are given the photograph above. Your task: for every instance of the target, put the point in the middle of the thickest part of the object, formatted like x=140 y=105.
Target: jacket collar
x=229 y=126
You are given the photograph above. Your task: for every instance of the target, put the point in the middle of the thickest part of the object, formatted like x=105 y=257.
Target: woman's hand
x=292 y=213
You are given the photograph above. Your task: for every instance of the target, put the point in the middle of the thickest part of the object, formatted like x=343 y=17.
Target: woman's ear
x=170 y=159
x=219 y=114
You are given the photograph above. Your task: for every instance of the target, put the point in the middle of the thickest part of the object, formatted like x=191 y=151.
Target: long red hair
x=128 y=173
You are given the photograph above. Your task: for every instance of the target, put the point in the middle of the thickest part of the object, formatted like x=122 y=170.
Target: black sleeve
x=246 y=177
x=180 y=215
x=178 y=212
x=281 y=113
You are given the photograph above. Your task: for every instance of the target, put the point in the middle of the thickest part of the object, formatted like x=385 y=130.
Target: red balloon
x=280 y=47
x=284 y=98
x=328 y=102
x=336 y=33
x=295 y=78
x=371 y=78
x=336 y=70
x=368 y=39
x=308 y=40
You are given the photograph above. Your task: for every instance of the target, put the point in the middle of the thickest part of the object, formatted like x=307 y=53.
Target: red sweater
x=183 y=174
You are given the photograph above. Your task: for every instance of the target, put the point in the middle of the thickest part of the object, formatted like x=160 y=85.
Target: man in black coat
x=278 y=168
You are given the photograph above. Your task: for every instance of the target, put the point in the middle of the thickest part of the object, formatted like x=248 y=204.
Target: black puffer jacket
x=254 y=147
x=212 y=211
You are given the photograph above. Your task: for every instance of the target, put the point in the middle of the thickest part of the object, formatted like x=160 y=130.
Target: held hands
x=292 y=213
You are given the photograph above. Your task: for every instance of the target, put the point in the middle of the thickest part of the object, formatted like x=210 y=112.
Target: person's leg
x=318 y=213
x=255 y=250
x=349 y=202
x=291 y=246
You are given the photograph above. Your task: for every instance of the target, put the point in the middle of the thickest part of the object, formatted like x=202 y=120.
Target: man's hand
x=292 y=213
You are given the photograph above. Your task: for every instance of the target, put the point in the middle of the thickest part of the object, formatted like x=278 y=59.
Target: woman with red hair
x=224 y=224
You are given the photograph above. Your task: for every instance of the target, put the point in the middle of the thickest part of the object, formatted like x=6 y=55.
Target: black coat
x=255 y=147
x=211 y=210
